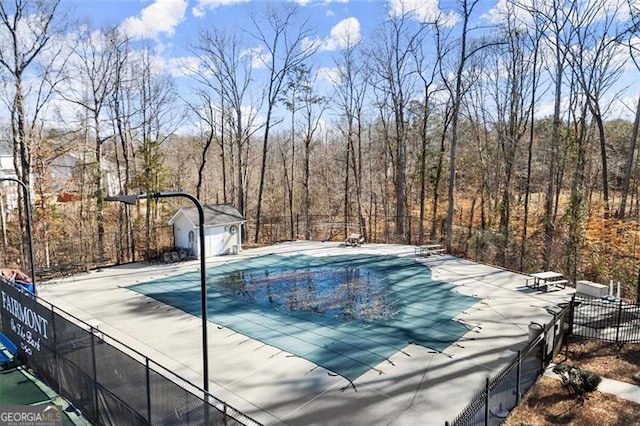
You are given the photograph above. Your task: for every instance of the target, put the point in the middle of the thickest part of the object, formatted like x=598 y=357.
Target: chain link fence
x=110 y=383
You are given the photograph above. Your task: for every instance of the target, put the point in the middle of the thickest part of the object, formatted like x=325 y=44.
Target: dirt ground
x=548 y=402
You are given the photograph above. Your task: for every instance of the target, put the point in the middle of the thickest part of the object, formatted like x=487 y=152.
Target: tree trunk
x=457 y=101
x=629 y=164
x=549 y=225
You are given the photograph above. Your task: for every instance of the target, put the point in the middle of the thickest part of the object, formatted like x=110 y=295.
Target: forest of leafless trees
x=512 y=144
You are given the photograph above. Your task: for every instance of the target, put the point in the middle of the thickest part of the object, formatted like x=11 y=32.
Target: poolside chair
x=354 y=240
x=8 y=351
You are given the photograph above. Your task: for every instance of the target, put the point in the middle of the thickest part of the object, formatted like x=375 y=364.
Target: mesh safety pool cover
x=344 y=313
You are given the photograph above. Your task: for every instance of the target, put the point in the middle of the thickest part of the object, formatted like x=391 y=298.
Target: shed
x=222 y=229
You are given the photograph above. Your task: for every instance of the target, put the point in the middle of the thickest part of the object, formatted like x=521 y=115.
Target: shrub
x=576 y=380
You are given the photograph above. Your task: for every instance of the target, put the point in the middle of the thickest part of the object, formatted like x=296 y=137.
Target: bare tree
x=457 y=92
x=144 y=117
x=558 y=36
x=350 y=87
x=595 y=69
x=634 y=54
x=91 y=68
x=426 y=68
x=207 y=114
x=595 y=60
x=157 y=122
x=313 y=107
x=282 y=49
x=225 y=69
x=510 y=85
x=121 y=109
x=534 y=36
x=28 y=29
x=443 y=50
x=395 y=67
x=291 y=98
x=631 y=158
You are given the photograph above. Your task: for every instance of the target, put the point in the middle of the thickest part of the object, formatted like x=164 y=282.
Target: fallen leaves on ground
x=606 y=359
x=549 y=403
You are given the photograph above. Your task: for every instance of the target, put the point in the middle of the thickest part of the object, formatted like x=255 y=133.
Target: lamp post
x=132 y=200
x=27 y=208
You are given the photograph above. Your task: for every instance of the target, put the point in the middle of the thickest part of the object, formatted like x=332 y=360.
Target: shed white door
x=214 y=240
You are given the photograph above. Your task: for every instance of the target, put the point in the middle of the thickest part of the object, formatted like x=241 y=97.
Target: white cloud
x=519 y=12
x=517 y=15
x=182 y=66
x=421 y=10
x=623 y=107
x=259 y=57
x=344 y=34
x=202 y=5
x=161 y=16
x=330 y=75
x=319 y=2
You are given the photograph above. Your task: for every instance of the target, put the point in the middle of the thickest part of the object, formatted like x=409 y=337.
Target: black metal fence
x=601 y=319
x=110 y=383
x=607 y=320
x=502 y=393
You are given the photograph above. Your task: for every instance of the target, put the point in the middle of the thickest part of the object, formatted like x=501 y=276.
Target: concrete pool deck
x=417 y=385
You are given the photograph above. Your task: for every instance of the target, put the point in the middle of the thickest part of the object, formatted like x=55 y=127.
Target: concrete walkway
x=414 y=386
x=627 y=391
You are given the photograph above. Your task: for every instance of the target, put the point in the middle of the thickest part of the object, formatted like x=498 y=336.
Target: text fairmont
x=25 y=315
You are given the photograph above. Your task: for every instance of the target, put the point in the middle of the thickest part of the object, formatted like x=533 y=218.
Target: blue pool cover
x=409 y=307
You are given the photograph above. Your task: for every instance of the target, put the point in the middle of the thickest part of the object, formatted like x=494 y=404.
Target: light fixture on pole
x=27 y=209
x=132 y=200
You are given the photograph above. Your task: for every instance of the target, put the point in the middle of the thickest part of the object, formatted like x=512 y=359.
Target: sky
x=172 y=26
x=169 y=21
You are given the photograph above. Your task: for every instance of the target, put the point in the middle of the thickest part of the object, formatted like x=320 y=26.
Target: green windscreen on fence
x=345 y=313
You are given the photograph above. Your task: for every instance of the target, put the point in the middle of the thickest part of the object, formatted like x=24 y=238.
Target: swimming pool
x=345 y=293
x=346 y=313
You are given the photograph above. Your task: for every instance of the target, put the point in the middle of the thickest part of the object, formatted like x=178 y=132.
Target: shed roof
x=214 y=214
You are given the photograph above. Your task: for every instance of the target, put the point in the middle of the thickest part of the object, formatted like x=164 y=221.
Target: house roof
x=214 y=214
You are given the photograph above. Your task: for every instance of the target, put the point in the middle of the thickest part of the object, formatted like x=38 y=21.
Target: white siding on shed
x=223 y=237
x=214 y=239
x=181 y=230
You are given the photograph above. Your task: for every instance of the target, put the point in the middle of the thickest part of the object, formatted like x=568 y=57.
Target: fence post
x=56 y=351
x=146 y=362
x=518 y=372
x=619 y=321
x=571 y=312
x=543 y=349
x=95 y=373
x=486 y=403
